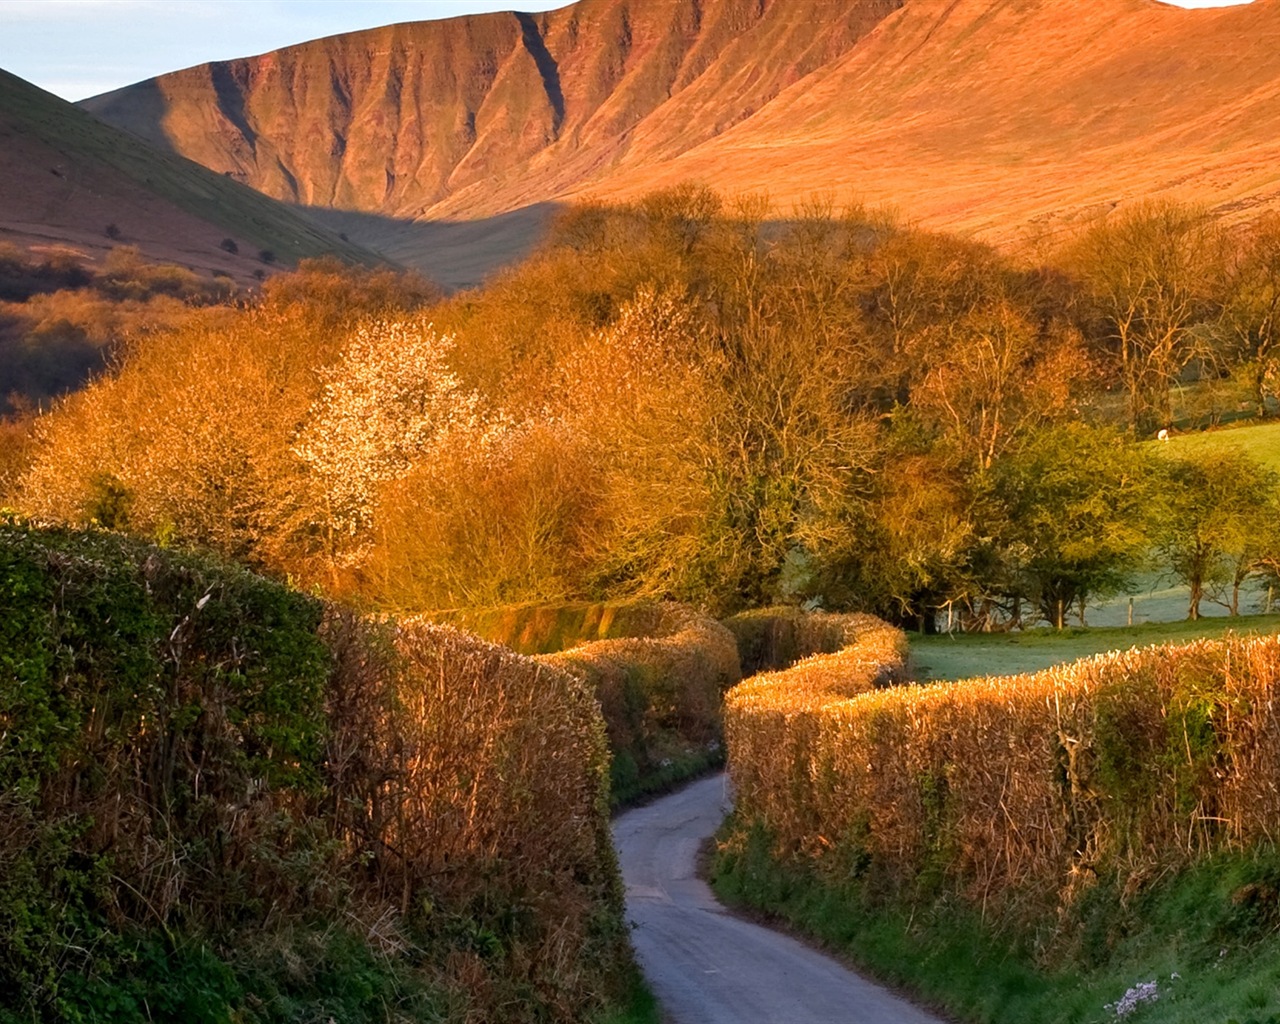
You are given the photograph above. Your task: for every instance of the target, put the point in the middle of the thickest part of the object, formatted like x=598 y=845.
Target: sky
x=79 y=48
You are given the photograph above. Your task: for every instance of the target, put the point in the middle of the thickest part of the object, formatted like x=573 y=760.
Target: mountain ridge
x=483 y=112
x=991 y=117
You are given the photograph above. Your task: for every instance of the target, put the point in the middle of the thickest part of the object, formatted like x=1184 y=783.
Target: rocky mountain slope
x=993 y=116
x=483 y=114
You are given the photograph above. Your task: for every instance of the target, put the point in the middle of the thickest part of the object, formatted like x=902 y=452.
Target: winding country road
x=707 y=966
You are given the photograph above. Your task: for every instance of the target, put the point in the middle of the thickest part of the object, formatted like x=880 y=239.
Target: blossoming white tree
x=386 y=404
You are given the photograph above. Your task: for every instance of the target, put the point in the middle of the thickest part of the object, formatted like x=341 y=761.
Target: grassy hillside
x=68 y=170
x=976 y=115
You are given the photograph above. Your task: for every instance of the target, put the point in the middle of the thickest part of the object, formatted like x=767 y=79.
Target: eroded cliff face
x=480 y=114
x=989 y=116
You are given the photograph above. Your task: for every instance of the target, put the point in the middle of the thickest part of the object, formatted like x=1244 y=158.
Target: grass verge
x=638 y=1006
x=1205 y=944
x=320 y=974
x=629 y=787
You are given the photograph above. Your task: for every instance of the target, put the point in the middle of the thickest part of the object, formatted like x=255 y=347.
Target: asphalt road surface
x=707 y=966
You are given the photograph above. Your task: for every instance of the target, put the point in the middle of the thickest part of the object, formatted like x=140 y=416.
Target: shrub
x=162 y=720
x=770 y=639
x=126 y=274
x=659 y=672
x=1016 y=792
x=661 y=696
x=196 y=762
x=229 y=245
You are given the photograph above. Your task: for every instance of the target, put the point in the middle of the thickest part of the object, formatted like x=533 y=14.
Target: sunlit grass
x=1261 y=441
x=964 y=656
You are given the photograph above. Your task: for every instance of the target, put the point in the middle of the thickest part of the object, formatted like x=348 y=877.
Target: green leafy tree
x=1217 y=523
x=1075 y=510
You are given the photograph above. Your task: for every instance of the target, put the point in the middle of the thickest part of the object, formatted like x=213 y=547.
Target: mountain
x=995 y=117
x=68 y=179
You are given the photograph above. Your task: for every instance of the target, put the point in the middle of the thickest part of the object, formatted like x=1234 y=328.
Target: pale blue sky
x=78 y=48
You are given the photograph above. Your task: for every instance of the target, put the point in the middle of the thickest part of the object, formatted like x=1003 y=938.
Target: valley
x=431 y=455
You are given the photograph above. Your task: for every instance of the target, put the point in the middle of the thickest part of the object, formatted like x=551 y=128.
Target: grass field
x=1159 y=606
x=96 y=150
x=966 y=655
x=1260 y=440
x=1156 y=599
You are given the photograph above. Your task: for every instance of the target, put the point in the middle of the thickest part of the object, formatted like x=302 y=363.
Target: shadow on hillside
x=456 y=254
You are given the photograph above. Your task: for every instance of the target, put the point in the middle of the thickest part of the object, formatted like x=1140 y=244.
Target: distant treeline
x=62 y=320
x=694 y=398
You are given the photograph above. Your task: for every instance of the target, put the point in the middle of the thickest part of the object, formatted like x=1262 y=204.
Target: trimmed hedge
x=772 y=639
x=1012 y=794
x=659 y=671
x=212 y=784
x=550 y=628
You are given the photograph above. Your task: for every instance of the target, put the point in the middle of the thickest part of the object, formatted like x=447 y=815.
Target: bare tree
x=1150 y=272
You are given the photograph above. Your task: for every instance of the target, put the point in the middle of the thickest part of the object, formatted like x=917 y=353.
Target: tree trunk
x=1197 y=594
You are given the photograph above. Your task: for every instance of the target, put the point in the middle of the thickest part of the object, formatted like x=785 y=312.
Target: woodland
x=688 y=397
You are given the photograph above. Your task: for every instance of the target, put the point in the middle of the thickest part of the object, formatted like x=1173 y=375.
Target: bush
x=163 y=722
x=549 y=628
x=1014 y=793
x=770 y=639
x=659 y=672
x=199 y=766
x=661 y=695
x=229 y=245
x=126 y=274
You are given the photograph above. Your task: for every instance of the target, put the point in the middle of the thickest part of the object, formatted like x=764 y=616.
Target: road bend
x=707 y=966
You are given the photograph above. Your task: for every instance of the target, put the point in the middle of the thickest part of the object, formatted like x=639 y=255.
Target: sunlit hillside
x=1013 y=121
